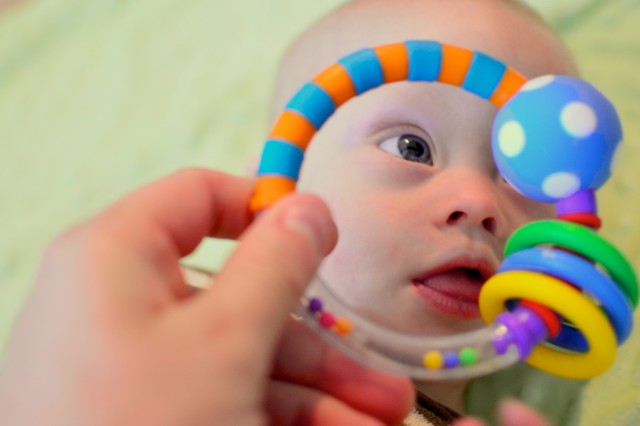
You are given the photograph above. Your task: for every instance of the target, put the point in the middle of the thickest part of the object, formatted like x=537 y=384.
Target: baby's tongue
x=458 y=283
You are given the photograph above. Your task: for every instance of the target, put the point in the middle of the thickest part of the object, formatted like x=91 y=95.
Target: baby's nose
x=471 y=199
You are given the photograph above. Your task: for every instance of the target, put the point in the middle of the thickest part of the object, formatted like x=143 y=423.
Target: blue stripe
x=312 y=102
x=484 y=75
x=364 y=69
x=280 y=158
x=425 y=60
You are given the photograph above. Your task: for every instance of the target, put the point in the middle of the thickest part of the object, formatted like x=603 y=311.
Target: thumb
x=276 y=258
x=512 y=412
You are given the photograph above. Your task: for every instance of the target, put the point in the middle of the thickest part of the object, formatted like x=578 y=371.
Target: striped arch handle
x=316 y=101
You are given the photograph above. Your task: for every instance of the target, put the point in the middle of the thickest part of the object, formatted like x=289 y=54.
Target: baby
x=407 y=170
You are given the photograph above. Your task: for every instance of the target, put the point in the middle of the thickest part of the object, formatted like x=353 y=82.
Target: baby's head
x=407 y=168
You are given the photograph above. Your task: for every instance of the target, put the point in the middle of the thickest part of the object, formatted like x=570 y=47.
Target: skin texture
x=111 y=334
x=409 y=232
x=510 y=413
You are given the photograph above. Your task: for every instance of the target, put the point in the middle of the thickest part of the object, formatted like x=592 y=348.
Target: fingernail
x=514 y=412
x=314 y=223
x=509 y=409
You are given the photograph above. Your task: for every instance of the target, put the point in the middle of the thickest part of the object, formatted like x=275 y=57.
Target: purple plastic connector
x=581 y=202
x=524 y=329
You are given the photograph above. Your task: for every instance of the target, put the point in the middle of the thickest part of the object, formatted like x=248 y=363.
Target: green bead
x=468 y=356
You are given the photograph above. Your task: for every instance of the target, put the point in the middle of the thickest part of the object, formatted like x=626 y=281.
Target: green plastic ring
x=581 y=240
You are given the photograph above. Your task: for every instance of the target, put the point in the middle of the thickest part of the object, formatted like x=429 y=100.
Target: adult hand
x=112 y=335
x=510 y=413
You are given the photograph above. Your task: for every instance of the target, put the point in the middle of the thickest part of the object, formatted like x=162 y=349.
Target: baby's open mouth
x=453 y=292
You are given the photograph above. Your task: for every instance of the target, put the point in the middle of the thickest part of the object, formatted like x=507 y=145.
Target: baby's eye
x=410 y=147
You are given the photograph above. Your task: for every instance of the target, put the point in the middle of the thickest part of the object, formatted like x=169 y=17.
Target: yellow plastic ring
x=568 y=302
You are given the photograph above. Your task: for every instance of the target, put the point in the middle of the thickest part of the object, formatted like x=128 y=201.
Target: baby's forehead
x=370 y=23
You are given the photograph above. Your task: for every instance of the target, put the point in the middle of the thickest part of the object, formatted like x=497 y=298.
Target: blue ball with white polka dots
x=556 y=136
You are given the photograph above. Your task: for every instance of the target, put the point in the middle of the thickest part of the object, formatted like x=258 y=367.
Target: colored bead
x=313 y=103
x=343 y=326
x=364 y=68
x=509 y=85
x=484 y=75
x=336 y=82
x=268 y=189
x=394 y=60
x=451 y=360
x=327 y=320
x=293 y=127
x=433 y=360
x=456 y=62
x=425 y=59
x=315 y=304
x=556 y=136
x=280 y=158
x=468 y=356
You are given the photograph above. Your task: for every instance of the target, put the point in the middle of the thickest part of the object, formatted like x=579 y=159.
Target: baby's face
x=407 y=169
x=423 y=214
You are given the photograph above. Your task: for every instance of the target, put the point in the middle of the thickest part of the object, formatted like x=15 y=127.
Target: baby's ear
x=251 y=169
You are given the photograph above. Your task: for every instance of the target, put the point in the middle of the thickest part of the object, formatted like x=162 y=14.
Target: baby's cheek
x=523 y=210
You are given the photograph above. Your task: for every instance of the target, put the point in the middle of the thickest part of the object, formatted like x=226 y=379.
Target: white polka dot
x=538 y=82
x=560 y=184
x=578 y=119
x=511 y=138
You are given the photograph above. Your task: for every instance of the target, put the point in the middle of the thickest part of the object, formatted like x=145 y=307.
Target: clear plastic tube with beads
x=463 y=355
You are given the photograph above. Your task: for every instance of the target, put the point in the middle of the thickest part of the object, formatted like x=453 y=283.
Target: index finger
x=177 y=212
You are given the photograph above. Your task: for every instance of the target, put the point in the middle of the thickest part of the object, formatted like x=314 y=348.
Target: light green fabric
x=98 y=97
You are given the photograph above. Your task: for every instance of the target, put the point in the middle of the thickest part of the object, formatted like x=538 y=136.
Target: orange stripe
x=394 y=61
x=268 y=190
x=336 y=81
x=455 y=64
x=511 y=82
x=294 y=128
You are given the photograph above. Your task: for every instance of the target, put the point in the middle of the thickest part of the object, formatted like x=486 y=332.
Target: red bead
x=327 y=320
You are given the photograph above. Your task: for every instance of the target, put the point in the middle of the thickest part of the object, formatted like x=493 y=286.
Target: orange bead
x=294 y=128
x=343 y=326
x=455 y=64
x=268 y=190
x=336 y=81
x=511 y=82
x=394 y=60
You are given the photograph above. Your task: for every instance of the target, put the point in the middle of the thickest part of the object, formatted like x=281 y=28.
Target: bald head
x=505 y=29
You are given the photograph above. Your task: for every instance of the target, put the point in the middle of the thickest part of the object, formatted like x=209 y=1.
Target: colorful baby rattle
x=563 y=298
